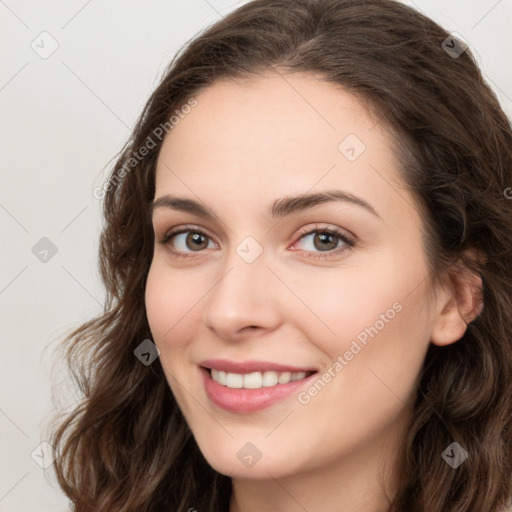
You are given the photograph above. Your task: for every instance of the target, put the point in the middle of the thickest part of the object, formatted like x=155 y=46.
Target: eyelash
x=350 y=243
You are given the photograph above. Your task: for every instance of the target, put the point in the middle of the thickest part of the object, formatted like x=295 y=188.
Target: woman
x=307 y=253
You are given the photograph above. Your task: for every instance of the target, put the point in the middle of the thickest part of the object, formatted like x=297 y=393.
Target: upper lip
x=251 y=366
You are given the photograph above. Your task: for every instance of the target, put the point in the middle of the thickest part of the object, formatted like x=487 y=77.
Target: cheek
x=170 y=307
x=342 y=304
x=377 y=312
x=173 y=320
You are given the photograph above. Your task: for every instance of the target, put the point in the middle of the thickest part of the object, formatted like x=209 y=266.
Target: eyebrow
x=280 y=208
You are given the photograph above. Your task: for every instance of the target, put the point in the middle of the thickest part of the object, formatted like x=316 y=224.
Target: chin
x=271 y=465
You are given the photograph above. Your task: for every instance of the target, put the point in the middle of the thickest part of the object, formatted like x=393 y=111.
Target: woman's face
x=267 y=284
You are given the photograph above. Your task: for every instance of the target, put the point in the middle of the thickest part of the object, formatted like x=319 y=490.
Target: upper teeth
x=255 y=380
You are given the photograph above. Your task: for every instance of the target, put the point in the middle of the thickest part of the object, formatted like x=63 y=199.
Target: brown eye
x=325 y=241
x=329 y=241
x=195 y=241
x=186 y=240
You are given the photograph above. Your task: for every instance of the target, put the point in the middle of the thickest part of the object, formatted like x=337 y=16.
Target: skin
x=244 y=145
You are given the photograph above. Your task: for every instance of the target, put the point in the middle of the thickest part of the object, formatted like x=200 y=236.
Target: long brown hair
x=126 y=447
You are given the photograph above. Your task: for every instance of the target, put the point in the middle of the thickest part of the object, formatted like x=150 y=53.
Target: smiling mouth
x=256 y=380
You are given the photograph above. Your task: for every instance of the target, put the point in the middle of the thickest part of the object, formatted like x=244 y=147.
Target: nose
x=243 y=298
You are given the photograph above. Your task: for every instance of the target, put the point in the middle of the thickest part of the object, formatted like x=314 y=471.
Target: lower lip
x=248 y=400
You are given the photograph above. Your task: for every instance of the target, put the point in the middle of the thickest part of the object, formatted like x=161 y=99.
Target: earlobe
x=459 y=303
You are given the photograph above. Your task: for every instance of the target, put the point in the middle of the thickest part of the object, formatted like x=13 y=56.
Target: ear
x=458 y=303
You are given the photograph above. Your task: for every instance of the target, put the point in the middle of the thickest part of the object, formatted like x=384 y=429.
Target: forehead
x=278 y=134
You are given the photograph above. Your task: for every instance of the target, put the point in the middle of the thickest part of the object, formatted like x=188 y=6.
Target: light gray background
x=63 y=118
